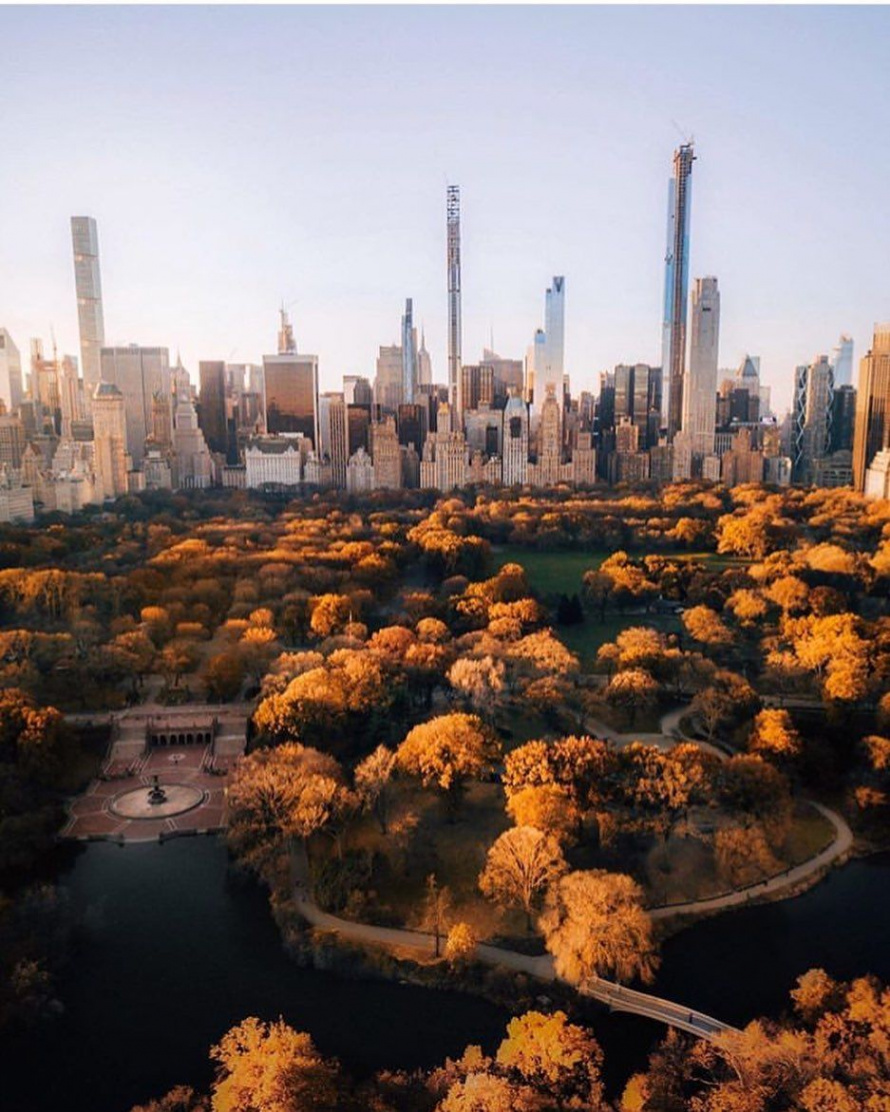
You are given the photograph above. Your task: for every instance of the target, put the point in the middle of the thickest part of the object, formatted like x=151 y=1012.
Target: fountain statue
x=156 y=793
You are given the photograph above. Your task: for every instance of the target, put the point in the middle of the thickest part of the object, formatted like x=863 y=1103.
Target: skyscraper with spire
x=452 y=207
x=90 y=319
x=676 y=287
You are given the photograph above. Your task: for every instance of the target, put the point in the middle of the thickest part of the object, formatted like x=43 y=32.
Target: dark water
x=174 y=954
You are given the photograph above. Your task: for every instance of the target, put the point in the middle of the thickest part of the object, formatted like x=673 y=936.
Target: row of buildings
x=123 y=418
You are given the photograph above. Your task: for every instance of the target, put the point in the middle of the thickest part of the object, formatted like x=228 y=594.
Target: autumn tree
x=521 y=865
x=594 y=926
x=373 y=780
x=460 y=945
x=559 y=1058
x=705 y=625
x=479 y=681
x=273 y=1068
x=774 y=737
x=277 y=795
x=631 y=692
x=436 y=910
x=445 y=752
x=549 y=808
x=743 y=856
x=224 y=676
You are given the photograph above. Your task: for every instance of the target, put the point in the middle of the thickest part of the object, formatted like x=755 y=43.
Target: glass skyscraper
x=676 y=287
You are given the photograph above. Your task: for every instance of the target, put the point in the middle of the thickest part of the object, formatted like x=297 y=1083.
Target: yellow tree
x=270 y=1067
x=559 y=1058
x=521 y=865
x=594 y=925
x=774 y=737
x=549 y=808
x=445 y=752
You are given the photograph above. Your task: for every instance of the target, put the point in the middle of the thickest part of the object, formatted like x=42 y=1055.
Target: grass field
x=585 y=639
x=561 y=572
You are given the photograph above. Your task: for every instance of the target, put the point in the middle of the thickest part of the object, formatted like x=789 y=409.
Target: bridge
x=621 y=999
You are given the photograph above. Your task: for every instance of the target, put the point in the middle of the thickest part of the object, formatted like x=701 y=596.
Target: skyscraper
x=554 y=332
x=872 y=432
x=10 y=372
x=389 y=383
x=85 y=240
x=110 y=440
x=700 y=389
x=811 y=419
x=454 y=328
x=291 y=387
x=409 y=354
x=424 y=364
x=139 y=373
x=212 y=376
x=676 y=287
x=334 y=432
x=842 y=360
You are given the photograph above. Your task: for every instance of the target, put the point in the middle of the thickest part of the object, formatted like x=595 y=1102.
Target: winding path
x=616 y=997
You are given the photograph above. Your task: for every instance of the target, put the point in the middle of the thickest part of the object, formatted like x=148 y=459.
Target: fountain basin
x=136 y=804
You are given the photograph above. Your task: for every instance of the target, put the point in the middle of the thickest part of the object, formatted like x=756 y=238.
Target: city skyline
x=318 y=254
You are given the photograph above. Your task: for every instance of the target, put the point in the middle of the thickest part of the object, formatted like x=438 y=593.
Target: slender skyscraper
x=550 y=355
x=842 y=361
x=85 y=239
x=700 y=390
x=676 y=287
x=409 y=354
x=454 y=352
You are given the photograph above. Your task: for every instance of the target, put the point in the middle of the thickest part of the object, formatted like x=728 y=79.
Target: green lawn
x=585 y=639
x=561 y=572
x=551 y=572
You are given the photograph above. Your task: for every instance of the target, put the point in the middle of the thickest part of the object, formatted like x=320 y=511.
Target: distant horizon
x=225 y=181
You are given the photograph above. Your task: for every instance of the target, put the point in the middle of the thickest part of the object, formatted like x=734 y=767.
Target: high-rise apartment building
x=387 y=455
x=88 y=286
x=334 y=433
x=389 y=388
x=10 y=372
x=212 y=378
x=700 y=387
x=676 y=287
x=515 y=442
x=139 y=373
x=110 y=441
x=452 y=211
x=811 y=417
x=872 y=432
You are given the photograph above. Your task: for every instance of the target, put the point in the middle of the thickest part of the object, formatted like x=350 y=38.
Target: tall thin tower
x=409 y=353
x=85 y=240
x=454 y=356
x=676 y=288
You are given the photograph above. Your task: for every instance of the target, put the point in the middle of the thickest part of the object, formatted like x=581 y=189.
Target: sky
x=238 y=158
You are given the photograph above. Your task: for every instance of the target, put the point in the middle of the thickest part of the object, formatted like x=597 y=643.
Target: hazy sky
x=238 y=157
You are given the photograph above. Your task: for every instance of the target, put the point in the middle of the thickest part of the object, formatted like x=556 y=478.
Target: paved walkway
x=616 y=997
